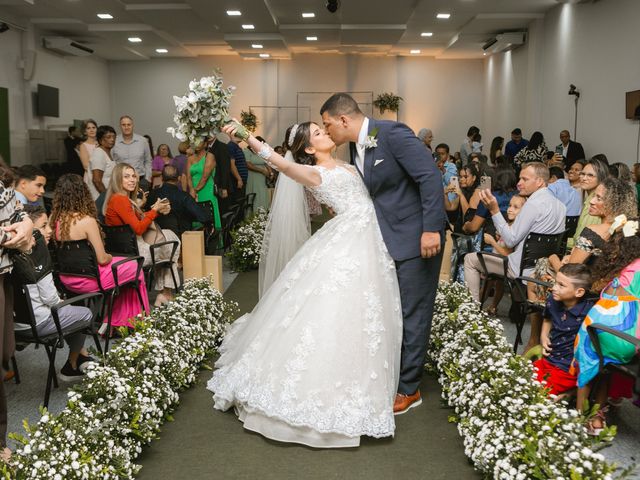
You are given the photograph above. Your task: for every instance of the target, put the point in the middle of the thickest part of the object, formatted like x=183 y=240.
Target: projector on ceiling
x=503 y=42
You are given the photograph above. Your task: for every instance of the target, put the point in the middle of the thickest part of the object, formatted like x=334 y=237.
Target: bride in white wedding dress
x=317 y=361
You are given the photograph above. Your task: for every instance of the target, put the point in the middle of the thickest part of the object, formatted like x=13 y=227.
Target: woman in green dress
x=201 y=170
x=258 y=172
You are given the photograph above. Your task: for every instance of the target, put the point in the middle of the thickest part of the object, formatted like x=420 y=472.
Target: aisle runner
x=204 y=444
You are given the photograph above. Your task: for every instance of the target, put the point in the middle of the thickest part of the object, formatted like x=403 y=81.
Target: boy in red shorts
x=564 y=313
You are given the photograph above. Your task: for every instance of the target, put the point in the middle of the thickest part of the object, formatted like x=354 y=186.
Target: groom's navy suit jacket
x=405 y=186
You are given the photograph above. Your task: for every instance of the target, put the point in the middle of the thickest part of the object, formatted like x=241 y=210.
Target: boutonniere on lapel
x=371 y=141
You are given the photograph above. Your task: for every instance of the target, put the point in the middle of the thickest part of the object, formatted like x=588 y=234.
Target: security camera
x=573 y=90
x=3 y=27
x=332 y=5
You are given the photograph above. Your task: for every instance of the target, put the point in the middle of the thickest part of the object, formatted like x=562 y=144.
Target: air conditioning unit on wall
x=503 y=42
x=66 y=46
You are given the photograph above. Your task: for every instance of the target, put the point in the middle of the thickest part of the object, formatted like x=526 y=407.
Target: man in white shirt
x=541 y=213
x=133 y=149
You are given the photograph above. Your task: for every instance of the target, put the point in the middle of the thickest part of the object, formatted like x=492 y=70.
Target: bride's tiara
x=292 y=134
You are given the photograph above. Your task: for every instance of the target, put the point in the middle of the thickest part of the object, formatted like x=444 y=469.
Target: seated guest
x=565 y=310
x=542 y=213
x=573 y=174
x=74 y=218
x=617 y=276
x=121 y=208
x=163 y=157
x=563 y=191
x=571 y=151
x=184 y=209
x=44 y=296
x=30 y=185
x=180 y=162
x=504 y=188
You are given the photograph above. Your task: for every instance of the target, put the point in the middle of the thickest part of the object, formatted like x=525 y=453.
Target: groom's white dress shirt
x=362 y=136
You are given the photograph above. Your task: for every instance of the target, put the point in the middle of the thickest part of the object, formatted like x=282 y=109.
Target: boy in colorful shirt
x=564 y=313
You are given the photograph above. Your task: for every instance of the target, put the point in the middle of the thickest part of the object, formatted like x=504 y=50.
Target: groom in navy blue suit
x=406 y=188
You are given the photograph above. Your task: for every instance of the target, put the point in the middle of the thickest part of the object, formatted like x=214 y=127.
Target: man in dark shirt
x=239 y=163
x=516 y=144
x=184 y=209
x=564 y=313
x=223 y=173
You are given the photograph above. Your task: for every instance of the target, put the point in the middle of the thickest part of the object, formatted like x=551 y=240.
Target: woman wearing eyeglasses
x=593 y=174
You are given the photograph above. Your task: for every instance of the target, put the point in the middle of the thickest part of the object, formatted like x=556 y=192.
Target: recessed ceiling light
x=312 y=39
x=105 y=16
x=264 y=55
x=256 y=45
x=308 y=15
x=415 y=51
x=443 y=16
x=485 y=54
x=135 y=39
x=248 y=26
x=162 y=50
x=426 y=34
x=234 y=13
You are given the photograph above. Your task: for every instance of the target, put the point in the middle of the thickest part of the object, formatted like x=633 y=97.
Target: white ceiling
x=188 y=28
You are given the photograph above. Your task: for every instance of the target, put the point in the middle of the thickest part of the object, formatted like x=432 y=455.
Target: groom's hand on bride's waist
x=430 y=244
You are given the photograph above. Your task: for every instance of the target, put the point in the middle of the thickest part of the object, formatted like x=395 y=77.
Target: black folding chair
x=251 y=199
x=570 y=227
x=77 y=258
x=23 y=314
x=630 y=369
x=213 y=241
x=227 y=225
x=461 y=245
x=121 y=240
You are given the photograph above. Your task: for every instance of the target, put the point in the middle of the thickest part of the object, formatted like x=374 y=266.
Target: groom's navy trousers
x=406 y=188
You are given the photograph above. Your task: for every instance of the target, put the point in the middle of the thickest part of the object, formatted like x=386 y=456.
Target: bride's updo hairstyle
x=300 y=142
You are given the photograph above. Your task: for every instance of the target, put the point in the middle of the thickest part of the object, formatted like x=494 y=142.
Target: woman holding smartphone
x=121 y=208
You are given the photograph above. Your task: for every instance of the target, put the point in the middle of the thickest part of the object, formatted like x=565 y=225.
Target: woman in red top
x=121 y=207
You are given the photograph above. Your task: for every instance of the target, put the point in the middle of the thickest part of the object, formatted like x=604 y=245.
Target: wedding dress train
x=317 y=361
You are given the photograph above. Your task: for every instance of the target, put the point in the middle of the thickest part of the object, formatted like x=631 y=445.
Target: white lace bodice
x=343 y=190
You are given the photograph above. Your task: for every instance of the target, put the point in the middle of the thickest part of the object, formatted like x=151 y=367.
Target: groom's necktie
x=360 y=158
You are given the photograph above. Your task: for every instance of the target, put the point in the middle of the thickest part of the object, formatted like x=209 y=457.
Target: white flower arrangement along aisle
x=121 y=404
x=247 y=239
x=511 y=429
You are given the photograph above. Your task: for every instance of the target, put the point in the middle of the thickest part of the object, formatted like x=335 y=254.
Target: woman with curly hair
x=617 y=275
x=74 y=217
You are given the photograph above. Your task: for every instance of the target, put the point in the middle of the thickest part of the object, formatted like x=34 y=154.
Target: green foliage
x=387 y=101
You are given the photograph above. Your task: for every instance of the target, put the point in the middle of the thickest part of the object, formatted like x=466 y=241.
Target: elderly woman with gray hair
x=426 y=136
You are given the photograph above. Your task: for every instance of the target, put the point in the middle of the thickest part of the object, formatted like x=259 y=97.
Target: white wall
x=445 y=96
x=83 y=83
x=595 y=47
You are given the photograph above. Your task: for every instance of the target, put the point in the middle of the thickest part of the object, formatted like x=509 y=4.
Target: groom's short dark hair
x=340 y=104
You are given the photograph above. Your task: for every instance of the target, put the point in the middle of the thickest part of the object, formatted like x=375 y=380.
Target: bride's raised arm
x=303 y=174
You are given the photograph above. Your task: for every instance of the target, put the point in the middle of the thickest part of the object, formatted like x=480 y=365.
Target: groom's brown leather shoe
x=405 y=402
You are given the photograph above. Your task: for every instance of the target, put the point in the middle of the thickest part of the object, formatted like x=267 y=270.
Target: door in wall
x=5 y=147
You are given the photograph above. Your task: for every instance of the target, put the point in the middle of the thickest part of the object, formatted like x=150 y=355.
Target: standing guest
x=90 y=130
x=133 y=149
x=71 y=143
x=476 y=143
x=201 y=171
x=223 y=178
x=565 y=310
x=44 y=295
x=465 y=148
x=495 y=151
x=239 y=168
x=573 y=174
x=162 y=158
x=121 y=208
x=534 y=152
x=180 y=162
x=30 y=185
x=74 y=217
x=184 y=209
x=256 y=181
x=101 y=163
x=563 y=191
x=516 y=144
x=426 y=136
x=593 y=174
x=15 y=234
x=570 y=150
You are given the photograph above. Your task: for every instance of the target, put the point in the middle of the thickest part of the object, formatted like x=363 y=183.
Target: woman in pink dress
x=74 y=218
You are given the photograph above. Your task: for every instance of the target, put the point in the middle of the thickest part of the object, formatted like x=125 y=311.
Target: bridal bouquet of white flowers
x=203 y=110
x=510 y=426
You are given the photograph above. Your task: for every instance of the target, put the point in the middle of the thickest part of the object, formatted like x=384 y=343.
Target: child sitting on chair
x=565 y=310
